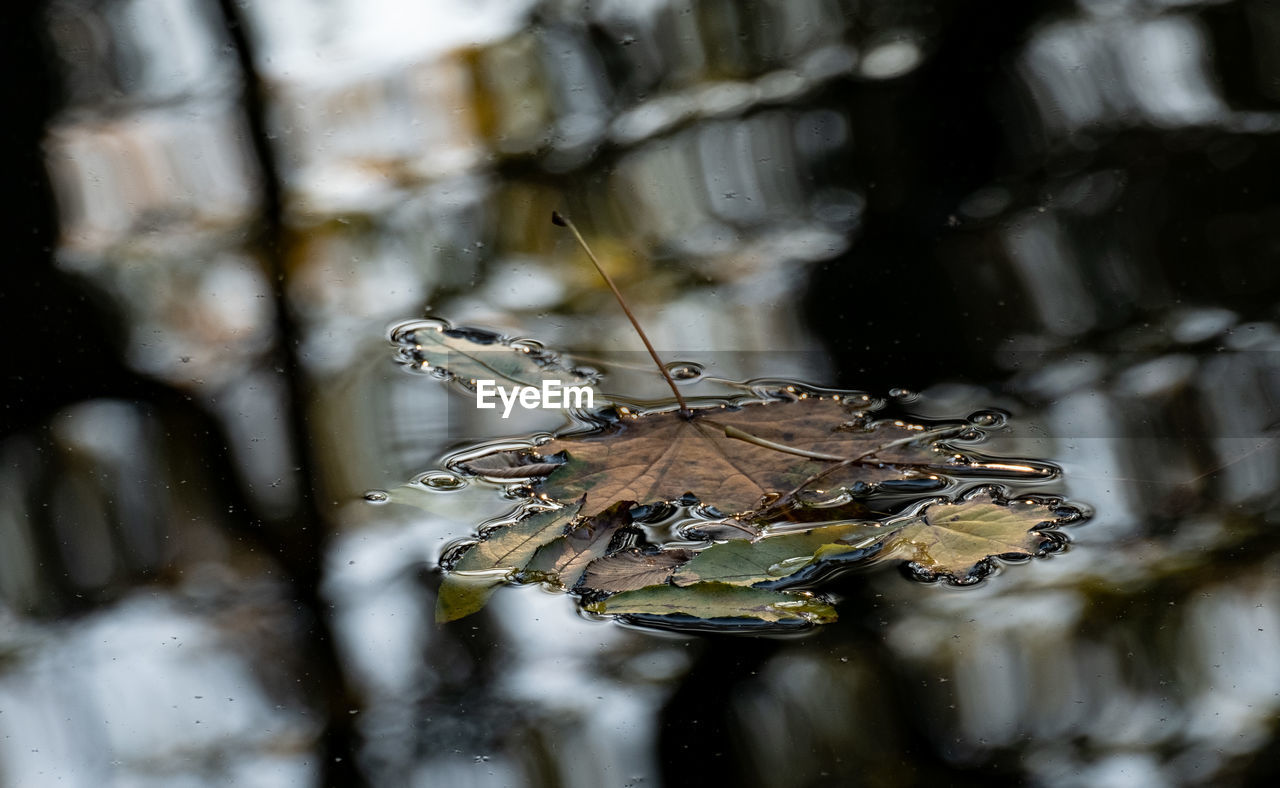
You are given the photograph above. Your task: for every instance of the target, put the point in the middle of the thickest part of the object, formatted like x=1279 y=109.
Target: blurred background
x=216 y=208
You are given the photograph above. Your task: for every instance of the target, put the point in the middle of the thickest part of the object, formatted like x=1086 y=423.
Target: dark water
x=1064 y=211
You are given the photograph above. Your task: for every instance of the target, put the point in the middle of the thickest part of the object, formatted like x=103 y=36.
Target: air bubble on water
x=377 y=496
x=903 y=395
x=825 y=499
x=528 y=346
x=440 y=481
x=685 y=371
x=406 y=333
x=991 y=419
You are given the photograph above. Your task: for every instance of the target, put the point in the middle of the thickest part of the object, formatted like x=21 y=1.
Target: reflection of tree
x=299 y=543
x=76 y=355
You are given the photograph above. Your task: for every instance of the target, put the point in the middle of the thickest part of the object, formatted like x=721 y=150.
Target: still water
x=1059 y=212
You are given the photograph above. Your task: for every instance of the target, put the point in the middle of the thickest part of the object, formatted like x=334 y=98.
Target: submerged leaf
x=563 y=561
x=769 y=558
x=955 y=539
x=717 y=600
x=471 y=354
x=633 y=568
x=489 y=563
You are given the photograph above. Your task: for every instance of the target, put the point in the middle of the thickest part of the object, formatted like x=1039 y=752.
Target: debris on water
x=685 y=371
x=441 y=481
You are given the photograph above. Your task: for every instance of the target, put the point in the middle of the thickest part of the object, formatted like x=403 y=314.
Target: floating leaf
x=768 y=558
x=717 y=600
x=758 y=467
x=633 y=568
x=956 y=539
x=489 y=563
x=471 y=354
x=563 y=561
x=735 y=458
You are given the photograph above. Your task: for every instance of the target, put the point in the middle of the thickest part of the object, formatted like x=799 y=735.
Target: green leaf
x=564 y=560
x=489 y=563
x=768 y=558
x=717 y=600
x=955 y=539
x=470 y=354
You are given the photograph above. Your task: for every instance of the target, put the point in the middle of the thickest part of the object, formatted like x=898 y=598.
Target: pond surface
x=1062 y=213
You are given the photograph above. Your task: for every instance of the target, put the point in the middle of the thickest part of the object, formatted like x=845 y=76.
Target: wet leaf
x=470 y=354
x=955 y=539
x=736 y=458
x=769 y=558
x=490 y=562
x=633 y=568
x=563 y=560
x=788 y=480
x=716 y=600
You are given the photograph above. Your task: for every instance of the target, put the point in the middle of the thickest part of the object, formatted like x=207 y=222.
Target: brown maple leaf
x=738 y=459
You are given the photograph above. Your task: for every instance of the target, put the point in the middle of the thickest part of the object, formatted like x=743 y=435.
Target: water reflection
x=101 y=701
x=1013 y=203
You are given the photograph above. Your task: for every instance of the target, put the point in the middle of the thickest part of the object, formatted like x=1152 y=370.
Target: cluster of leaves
x=758 y=463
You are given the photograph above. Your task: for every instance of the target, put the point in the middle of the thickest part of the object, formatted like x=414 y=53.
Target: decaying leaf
x=769 y=558
x=470 y=354
x=490 y=562
x=758 y=462
x=717 y=600
x=735 y=459
x=955 y=539
x=562 y=562
x=633 y=568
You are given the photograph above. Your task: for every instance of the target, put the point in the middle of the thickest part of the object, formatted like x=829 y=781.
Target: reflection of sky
x=323 y=42
x=146 y=692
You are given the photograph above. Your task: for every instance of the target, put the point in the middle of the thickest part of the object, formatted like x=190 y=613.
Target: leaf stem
x=934 y=434
x=561 y=221
x=734 y=432
x=841 y=462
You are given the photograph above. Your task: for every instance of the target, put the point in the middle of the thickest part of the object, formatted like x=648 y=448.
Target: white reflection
x=1232 y=640
x=196 y=320
x=1121 y=71
x=891 y=59
x=133 y=51
x=176 y=46
x=144 y=693
x=320 y=41
x=381 y=615
x=166 y=168
x=605 y=723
